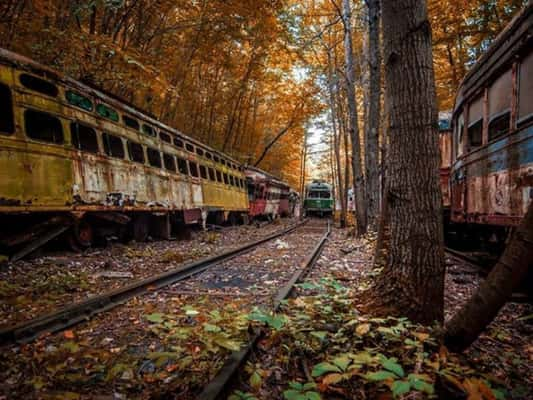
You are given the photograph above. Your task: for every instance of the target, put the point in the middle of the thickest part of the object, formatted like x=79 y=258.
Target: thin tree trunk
x=508 y=274
x=358 y=178
x=412 y=282
x=374 y=110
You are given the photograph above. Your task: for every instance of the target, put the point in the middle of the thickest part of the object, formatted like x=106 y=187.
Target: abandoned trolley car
x=318 y=199
x=491 y=176
x=73 y=156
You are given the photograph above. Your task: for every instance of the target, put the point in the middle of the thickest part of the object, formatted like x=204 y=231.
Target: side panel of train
x=492 y=176
x=64 y=150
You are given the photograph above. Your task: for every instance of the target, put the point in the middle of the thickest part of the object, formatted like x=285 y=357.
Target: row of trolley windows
x=44 y=127
x=499 y=99
x=77 y=99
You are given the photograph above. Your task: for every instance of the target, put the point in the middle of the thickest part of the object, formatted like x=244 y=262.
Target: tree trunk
x=358 y=178
x=336 y=144
x=374 y=109
x=412 y=282
x=508 y=274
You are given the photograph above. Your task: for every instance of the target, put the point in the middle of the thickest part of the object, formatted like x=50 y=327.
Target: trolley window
x=178 y=142
x=226 y=179
x=164 y=137
x=79 y=100
x=189 y=147
x=500 y=95
x=7 y=124
x=136 y=152
x=499 y=125
x=39 y=85
x=203 y=171
x=130 y=122
x=42 y=126
x=168 y=161
x=525 y=90
x=199 y=151
x=148 y=130
x=193 y=168
x=216 y=158
x=475 y=134
x=107 y=112
x=231 y=180
x=182 y=166
x=208 y=155
x=212 y=176
x=113 y=145
x=325 y=195
x=219 y=176
x=154 y=157
x=83 y=137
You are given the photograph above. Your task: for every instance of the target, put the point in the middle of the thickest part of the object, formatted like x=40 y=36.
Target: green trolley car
x=318 y=199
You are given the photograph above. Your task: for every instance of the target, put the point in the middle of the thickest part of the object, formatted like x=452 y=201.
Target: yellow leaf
x=362 y=329
x=331 y=379
x=421 y=336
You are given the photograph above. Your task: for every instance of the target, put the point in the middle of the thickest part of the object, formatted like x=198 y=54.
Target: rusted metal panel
x=494 y=185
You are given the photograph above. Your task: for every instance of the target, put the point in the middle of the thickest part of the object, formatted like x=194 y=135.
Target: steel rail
x=84 y=310
x=217 y=386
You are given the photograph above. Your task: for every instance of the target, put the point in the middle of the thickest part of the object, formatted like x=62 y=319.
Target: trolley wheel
x=81 y=235
x=140 y=227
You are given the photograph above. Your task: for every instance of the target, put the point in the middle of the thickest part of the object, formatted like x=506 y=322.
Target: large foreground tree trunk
x=412 y=282
x=374 y=117
x=495 y=291
x=358 y=177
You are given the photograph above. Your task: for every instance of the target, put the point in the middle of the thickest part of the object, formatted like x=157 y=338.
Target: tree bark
x=374 y=111
x=507 y=275
x=412 y=282
x=358 y=178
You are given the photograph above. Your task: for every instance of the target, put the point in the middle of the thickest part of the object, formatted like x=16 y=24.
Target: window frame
x=150 y=152
x=167 y=156
x=28 y=85
x=10 y=115
x=75 y=133
x=129 y=145
x=51 y=117
x=108 y=148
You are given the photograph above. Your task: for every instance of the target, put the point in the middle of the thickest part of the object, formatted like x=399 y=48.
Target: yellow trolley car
x=75 y=159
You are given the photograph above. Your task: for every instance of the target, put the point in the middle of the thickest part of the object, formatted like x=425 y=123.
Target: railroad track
x=219 y=385
x=71 y=315
x=481 y=265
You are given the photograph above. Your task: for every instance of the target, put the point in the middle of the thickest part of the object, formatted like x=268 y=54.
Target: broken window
x=189 y=147
x=39 y=85
x=182 y=166
x=107 y=112
x=212 y=175
x=148 y=130
x=164 y=137
x=216 y=158
x=475 y=134
x=209 y=156
x=83 y=137
x=43 y=126
x=130 y=122
x=169 y=163
x=178 y=142
x=199 y=151
x=219 y=176
x=136 y=152
x=499 y=125
x=79 y=100
x=113 y=145
x=7 y=125
x=154 y=157
x=474 y=131
x=193 y=168
x=525 y=90
x=203 y=171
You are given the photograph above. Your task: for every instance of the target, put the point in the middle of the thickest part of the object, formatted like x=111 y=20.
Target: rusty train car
x=491 y=174
x=268 y=196
x=72 y=156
